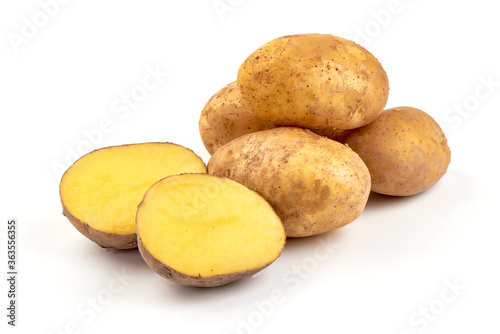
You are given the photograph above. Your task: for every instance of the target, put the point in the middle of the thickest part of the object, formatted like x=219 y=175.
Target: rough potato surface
x=225 y=117
x=314 y=81
x=405 y=150
x=314 y=184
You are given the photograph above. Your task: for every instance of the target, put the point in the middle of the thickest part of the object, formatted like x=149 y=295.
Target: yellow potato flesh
x=104 y=188
x=203 y=225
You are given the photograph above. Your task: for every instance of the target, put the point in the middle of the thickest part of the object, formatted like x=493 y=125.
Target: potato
x=314 y=81
x=203 y=230
x=405 y=150
x=314 y=184
x=101 y=190
x=225 y=118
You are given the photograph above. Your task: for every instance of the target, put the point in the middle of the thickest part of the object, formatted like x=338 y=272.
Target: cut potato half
x=100 y=192
x=204 y=230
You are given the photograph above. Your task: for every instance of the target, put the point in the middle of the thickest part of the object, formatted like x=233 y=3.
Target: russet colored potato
x=314 y=81
x=226 y=117
x=314 y=184
x=404 y=149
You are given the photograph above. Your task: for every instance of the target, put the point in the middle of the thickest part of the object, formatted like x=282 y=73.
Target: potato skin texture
x=405 y=150
x=314 y=81
x=225 y=117
x=103 y=239
x=314 y=184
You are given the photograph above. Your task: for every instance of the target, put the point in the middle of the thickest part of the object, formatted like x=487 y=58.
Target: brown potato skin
x=314 y=81
x=405 y=150
x=103 y=239
x=188 y=280
x=314 y=184
x=225 y=118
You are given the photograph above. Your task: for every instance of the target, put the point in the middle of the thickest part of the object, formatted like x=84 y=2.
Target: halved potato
x=203 y=230
x=100 y=192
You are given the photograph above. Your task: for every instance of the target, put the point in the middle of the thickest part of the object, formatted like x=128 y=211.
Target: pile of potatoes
x=304 y=125
x=297 y=144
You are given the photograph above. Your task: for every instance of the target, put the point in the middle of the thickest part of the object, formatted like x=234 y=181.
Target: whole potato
x=405 y=150
x=314 y=184
x=314 y=81
x=225 y=117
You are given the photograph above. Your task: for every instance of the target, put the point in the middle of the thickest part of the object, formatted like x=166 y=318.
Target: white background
x=388 y=272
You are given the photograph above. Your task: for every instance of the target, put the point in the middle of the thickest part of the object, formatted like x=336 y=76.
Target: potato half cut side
x=204 y=230
x=100 y=192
